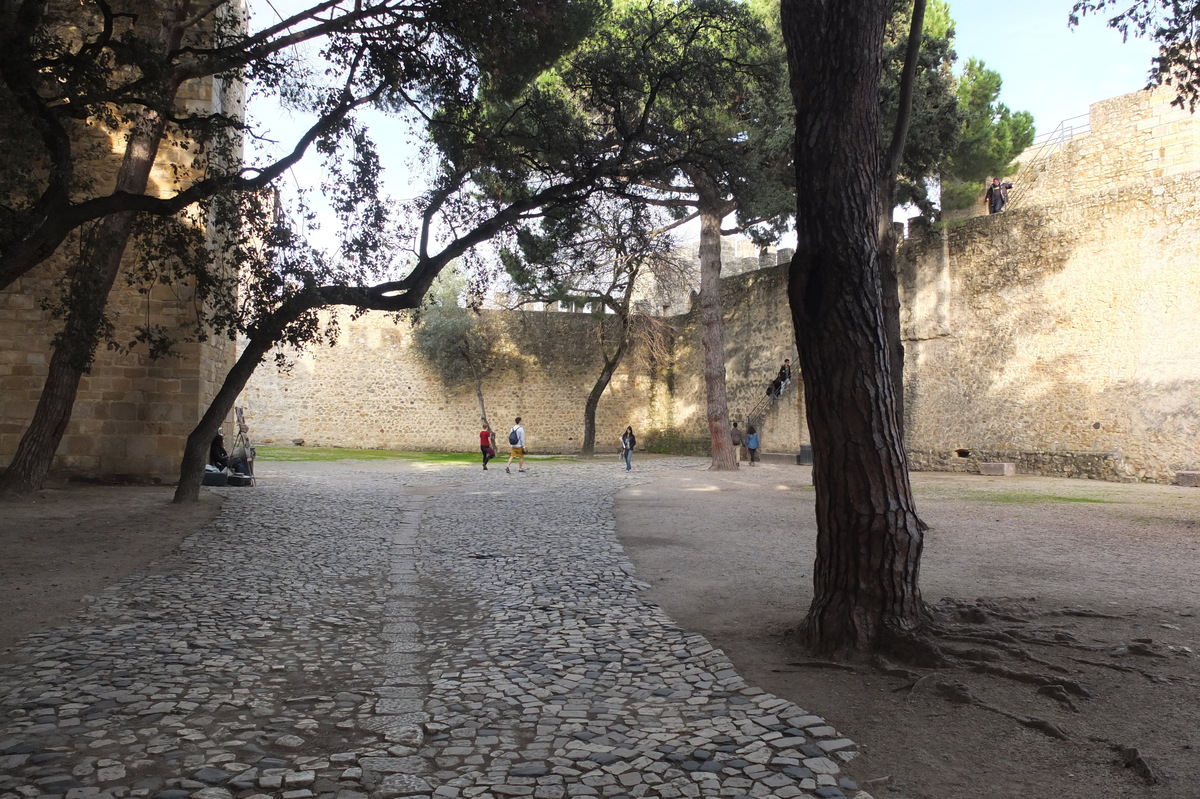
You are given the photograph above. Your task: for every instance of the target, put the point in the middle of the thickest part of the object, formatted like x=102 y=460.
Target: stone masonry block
x=998 y=469
x=1191 y=479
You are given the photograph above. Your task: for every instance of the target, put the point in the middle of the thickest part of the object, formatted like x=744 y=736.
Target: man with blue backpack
x=516 y=439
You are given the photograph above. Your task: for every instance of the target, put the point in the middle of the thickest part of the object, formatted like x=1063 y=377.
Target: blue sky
x=1049 y=69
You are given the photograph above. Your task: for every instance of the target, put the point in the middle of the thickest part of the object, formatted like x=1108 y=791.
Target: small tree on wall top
x=461 y=345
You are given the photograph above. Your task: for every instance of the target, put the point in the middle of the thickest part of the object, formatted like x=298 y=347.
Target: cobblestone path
x=430 y=632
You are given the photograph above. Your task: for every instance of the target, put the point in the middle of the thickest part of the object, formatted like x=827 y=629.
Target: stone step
x=998 y=469
x=1191 y=479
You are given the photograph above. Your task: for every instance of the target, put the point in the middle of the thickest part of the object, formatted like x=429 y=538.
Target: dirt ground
x=65 y=545
x=1104 y=574
x=730 y=556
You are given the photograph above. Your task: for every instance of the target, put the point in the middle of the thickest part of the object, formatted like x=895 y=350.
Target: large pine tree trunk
x=96 y=272
x=590 y=407
x=477 y=377
x=610 y=367
x=868 y=537
x=724 y=454
x=593 y=400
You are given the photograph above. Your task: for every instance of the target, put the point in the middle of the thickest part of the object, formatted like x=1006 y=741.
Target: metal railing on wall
x=1046 y=145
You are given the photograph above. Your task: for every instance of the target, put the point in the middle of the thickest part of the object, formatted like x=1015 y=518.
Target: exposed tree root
x=819 y=664
x=1060 y=695
x=960 y=694
x=1121 y=667
x=1005 y=640
x=914 y=685
x=978 y=655
x=1070 y=686
x=1133 y=759
x=1083 y=613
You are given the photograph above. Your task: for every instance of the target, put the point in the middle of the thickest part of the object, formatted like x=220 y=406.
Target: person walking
x=997 y=196
x=628 y=442
x=735 y=435
x=487 y=443
x=784 y=376
x=752 y=443
x=516 y=438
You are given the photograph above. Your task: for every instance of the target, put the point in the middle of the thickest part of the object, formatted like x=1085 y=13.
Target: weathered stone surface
x=998 y=469
x=402 y=785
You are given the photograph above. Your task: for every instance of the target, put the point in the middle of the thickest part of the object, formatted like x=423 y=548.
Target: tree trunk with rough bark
x=889 y=247
x=96 y=272
x=593 y=400
x=477 y=377
x=869 y=541
x=724 y=454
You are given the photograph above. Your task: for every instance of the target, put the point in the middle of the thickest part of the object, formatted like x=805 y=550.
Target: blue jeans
x=628 y=459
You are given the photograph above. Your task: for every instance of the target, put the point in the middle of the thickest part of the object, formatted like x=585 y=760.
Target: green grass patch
x=298 y=454
x=326 y=454
x=1026 y=498
x=670 y=442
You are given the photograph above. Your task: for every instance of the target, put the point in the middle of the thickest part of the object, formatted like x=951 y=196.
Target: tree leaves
x=1174 y=25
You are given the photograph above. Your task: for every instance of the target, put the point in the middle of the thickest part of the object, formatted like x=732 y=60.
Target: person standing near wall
x=997 y=196
x=628 y=442
x=735 y=436
x=487 y=443
x=752 y=443
x=516 y=438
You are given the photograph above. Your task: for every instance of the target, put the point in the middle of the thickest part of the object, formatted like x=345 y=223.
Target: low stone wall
x=1107 y=466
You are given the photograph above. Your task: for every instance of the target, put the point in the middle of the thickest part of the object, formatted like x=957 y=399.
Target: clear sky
x=1048 y=68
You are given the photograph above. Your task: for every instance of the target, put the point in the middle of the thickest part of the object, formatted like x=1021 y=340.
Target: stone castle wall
x=1057 y=335
x=373 y=389
x=133 y=413
x=1060 y=334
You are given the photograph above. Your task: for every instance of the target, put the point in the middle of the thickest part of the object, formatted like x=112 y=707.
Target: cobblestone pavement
x=345 y=633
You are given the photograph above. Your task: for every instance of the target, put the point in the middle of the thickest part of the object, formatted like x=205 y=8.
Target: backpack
x=513 y=438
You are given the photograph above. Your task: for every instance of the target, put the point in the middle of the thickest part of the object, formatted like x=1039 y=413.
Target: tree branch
x=908 y=80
